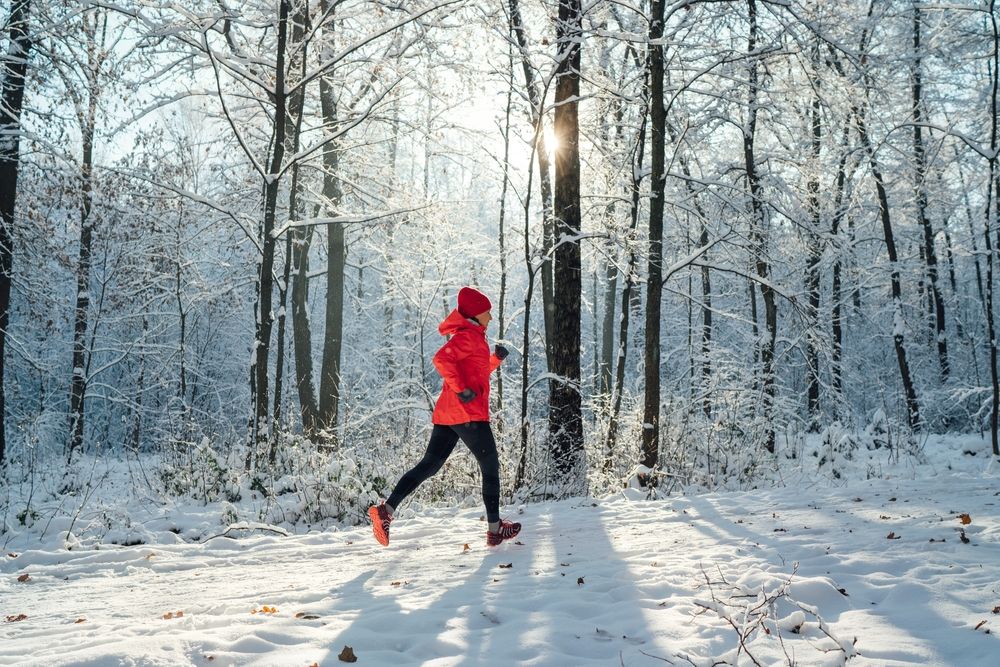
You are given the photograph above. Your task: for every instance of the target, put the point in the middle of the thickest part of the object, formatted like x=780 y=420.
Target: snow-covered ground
x=879 y=572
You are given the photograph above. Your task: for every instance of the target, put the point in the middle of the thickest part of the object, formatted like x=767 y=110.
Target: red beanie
x=472 y=302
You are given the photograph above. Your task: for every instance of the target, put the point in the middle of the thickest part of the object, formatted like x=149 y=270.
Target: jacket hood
x=455 y=322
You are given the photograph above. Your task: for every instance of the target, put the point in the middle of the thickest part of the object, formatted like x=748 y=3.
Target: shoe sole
x=377 y=530
x=503 y=540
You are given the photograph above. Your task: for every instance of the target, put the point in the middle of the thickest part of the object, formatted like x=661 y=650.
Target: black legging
x=478 y=437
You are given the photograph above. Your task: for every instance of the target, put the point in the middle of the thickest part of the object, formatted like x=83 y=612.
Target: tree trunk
x=265 y=283
x=650 y=448
x=15 y=66
x=815 y=252
x=78 y=383
x=836 y=292
x=293 y=127
x=330 y=371
x=898 y=325
x=630 y=279
x=920 y=187
x=565 y=418
x=536 y=99
x=758 y=236
x=992 y=216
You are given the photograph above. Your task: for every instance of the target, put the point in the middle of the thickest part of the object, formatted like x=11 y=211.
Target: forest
x=713 y=231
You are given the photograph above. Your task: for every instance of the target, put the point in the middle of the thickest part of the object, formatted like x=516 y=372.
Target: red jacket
x=464 y=362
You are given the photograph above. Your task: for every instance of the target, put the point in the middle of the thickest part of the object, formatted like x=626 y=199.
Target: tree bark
x=293 y=122
x=650 y=447
x=836 y=292
x=15 y=64
x=758 y=236
x=898 y=325
x=815 y=252
x=565 y=414
x=88 y=123
x=992 y=216
x=265 y=283
x=920 y=190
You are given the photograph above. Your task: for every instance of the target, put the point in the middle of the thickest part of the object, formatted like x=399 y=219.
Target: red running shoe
x=506 y=531
x=380 y=523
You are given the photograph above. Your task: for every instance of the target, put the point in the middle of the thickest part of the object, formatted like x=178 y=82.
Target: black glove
x=500 y=351
x=466 y=395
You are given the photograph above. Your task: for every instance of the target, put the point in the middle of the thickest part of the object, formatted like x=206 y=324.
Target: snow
x=821 y=572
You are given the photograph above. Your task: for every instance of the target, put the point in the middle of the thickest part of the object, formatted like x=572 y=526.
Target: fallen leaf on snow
x=12 y=554
x=308 y=617
x=24 y=577
x=466 y=547
x=980 y=624
x=892 y=536
x=579 y=581
x=962 y=536
x=965 y=519
x=996 y=609
x=507 y=566
x=15 y=619
x=347 y=655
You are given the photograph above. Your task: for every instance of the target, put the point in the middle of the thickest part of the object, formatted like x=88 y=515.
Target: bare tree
x=15 y=71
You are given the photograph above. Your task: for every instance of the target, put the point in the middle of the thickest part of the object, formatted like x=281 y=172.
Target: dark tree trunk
x=293 y=122
x=992 y=216
x=758 y=235
x=265 y=283
x=650 y=452
x=836 y=291
x=15 y=65
x=920 y=161
x=565 y=418
x=81 y=313
x=815 y=252
x=898 y=339
x=330 y=372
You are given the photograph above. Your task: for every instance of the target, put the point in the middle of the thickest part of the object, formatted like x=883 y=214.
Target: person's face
x=484 y=318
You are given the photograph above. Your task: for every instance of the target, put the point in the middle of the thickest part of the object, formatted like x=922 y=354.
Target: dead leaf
x=179 y=614
x=884 y=517
x=965 y=519
x=843 y=591
x=933 y=540
x=167 y=616
x=149 y=556
x=80 y=620
x=579 y=581
x=12 y=554
x=996 y=609
x=892 y=536
x=519 y=543
x=980 y=624
x=307 y=617
x=962 y=536
x=466 y=547
x=15 y=619
x=507 y=566
x=24 y=577
x=347 y=655
x=858 y=499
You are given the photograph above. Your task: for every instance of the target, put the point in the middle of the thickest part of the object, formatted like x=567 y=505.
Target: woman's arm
x=446 y=363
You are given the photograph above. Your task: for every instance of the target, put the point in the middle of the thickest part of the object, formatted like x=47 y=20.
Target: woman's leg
x=478 y=437
x=439 y=448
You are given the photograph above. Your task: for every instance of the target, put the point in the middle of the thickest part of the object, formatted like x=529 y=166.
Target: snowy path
x=604 y=583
